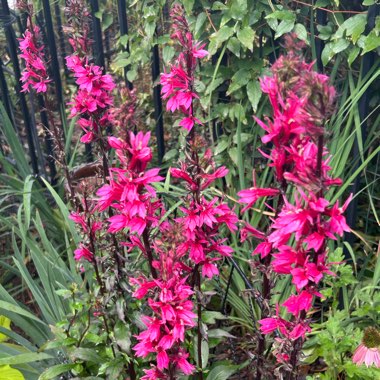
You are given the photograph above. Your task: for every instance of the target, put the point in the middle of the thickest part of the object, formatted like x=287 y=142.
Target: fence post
x=123 y=23
x=97 y=34
x=158 y=104
x=12 y=46
x=52 y=50
x=5 y=93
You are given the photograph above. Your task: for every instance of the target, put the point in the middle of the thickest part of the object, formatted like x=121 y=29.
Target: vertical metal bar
x=321 y=19
x=12 y=46
x=5 y=93
x=123 y=24
x=158 y=104
x=97 y=34
x=61 y=36
x=52 y=50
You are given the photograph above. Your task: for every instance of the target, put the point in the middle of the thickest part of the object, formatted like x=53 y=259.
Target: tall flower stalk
x=295 y=243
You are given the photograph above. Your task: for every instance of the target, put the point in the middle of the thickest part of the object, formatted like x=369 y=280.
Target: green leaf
x=369 y=2
x=168 y=53
x=107 y=21
x=285 y=26
x=6 y=323
x=221 y=147
x=204 y=352
x=282 y=15
x=340 y=45
x=202 y=17
x=254 y=94
x=222 y=372
x=327 y=54
x=14 y=143
x=18 y=310
x=123 y=336
x=8 y=373
x=355 y=26
x=85 y=354
x=354 y=52
x=233 y=46
x=371 y=42
x=223 y=34
x=188 y=5
x=301 y=32
x=246 y=37
x=210 y=317
x=238 y=9
x=56 y=370
x=132 y=75
x=24 y=358
x=219 y=333
x=239 y=79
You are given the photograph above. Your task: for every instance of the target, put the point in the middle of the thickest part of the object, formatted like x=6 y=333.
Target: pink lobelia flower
x=83 y=253
x=251 y=195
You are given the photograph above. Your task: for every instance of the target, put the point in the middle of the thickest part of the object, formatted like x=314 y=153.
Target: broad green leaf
x=56 y=370
x=246 y=37
x=239 y=79
x=222 y=372
x=6 y=323
x=9 y=373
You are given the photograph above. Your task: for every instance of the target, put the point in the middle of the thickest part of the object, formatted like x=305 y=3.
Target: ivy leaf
x=355 y=26
x=246 y=37
x=239 y=79
x=340 y=45
x=224 y=33
x=254 y=94
x=327 y=54
x=238 y=9
x=354 y=52
x=285 y=26
x=167 y=53
x=221 y=147
x=371 y=42
x=301 y=32
x=188 y=5
x=199 y=23
x=233 y=46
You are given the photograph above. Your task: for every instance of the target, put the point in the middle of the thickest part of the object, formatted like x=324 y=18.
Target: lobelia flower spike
x=94 y=95
x=302 y=101
x=35 y=73
x=178 y=84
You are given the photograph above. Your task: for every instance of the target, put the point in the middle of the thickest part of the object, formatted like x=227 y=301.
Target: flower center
x=371 y=337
